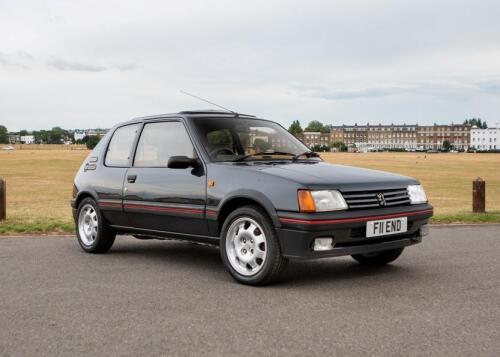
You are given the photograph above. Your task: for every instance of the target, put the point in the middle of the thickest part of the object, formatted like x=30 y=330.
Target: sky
x=86 y=64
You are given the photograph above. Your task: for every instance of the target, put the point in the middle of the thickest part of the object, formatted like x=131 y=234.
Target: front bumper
x=298 y=231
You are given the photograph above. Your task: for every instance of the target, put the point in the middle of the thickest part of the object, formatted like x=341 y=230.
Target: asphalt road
x=440 y=298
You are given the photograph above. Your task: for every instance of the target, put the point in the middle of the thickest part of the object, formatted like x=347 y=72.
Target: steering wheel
x=221 y=151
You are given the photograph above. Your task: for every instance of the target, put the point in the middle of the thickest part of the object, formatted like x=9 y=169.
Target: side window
x=160 y=141
x=120 y=146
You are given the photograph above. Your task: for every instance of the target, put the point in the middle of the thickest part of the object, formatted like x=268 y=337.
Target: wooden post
x=478 y=195
x=3 y=200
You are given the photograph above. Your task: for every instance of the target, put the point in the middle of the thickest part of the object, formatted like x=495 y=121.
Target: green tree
x=57 y=135
x=4 y=137
x=340 y=146
x=23 y=132
x=476 y=122
x=316 y=126
x=325 y=129
x=320 y=148
x=295 y=128
x=92 y=141
x=446 y=145
x=41 y=136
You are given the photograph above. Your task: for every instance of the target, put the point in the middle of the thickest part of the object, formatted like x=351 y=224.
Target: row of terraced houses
x=409 y=137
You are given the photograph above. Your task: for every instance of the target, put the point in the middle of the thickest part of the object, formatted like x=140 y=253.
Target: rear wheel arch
x=93 y=233
x=83 y=195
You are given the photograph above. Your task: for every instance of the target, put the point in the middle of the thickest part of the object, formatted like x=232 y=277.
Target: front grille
x=376 y=198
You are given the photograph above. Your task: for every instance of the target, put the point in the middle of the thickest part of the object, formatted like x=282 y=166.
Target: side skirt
x=154 y=234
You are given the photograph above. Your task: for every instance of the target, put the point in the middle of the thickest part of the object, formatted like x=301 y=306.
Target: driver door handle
x=131 y=178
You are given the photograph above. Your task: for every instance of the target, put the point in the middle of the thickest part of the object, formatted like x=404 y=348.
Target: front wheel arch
x=251 y=198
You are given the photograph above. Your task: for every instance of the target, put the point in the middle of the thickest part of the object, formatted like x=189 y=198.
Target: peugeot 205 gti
x=245 y=185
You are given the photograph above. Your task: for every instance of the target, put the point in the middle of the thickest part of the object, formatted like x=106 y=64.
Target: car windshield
x=243 y=139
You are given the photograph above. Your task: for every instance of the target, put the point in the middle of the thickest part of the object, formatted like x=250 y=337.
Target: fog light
x=323 y=244
x=424 y=230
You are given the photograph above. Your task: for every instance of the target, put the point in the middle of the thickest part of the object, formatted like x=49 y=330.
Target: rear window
x=120 y=146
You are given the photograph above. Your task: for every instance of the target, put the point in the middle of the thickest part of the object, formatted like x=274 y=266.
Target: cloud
x=65 y=65
x=436 y=86
x=339 y=61
x=491 y=86
x=127 y=67
x=20 y=59
x=367 y=92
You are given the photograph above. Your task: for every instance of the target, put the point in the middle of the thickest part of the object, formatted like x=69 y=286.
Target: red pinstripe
x=164 y=209
x=352 y=220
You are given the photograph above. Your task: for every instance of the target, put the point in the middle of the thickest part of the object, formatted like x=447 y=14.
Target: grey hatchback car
x=243 y=184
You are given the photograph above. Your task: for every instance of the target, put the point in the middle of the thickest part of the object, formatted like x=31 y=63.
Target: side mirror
x=181 y=162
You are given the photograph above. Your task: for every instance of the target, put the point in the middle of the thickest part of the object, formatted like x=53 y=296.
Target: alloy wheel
x=246 y=246
x=88 y=224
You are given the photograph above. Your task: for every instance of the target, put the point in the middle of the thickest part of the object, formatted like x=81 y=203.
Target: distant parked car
x=243 y=184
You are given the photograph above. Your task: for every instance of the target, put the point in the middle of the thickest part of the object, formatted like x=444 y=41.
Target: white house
x=27 y=139
x=79 y=134
x=485 y=139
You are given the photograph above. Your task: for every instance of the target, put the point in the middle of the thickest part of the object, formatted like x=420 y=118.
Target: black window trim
x=160 y=120
x=134 y=143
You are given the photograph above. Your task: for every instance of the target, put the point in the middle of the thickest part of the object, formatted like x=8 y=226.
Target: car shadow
x=171 y=251
x=207 y=263
x=310 y=272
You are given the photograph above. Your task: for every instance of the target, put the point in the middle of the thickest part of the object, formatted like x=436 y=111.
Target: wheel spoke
x=259 y=254
x=251 y=228
x=259 y=239
x=253 y=264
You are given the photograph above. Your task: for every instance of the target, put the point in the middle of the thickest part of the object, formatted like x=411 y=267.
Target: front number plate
x=386 y=227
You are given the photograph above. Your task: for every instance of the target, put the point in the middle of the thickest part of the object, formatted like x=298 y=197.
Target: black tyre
x=378 y=258
x=249 y=247
x=92 y=230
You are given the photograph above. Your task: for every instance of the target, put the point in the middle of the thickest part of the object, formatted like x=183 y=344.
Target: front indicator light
x=306 y=201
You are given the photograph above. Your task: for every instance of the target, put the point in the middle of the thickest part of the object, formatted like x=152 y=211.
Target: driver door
x=160 y=198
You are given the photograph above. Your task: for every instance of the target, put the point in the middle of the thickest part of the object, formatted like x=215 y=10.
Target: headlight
x=417 y=194
x=320 y=201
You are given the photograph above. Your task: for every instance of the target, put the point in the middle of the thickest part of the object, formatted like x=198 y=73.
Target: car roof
x=191 y=114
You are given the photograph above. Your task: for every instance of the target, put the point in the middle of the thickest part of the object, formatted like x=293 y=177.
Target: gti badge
x=381 y=199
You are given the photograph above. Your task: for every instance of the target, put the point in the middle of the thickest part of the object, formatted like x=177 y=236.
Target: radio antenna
x=209 y=102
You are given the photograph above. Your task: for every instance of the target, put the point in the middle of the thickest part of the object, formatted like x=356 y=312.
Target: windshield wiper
x=263 y=153
x=307 y=154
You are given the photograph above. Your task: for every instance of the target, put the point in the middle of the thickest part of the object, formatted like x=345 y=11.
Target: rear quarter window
x=120 y=146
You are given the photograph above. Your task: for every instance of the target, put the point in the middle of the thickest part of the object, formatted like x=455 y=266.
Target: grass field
x=39 y=184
